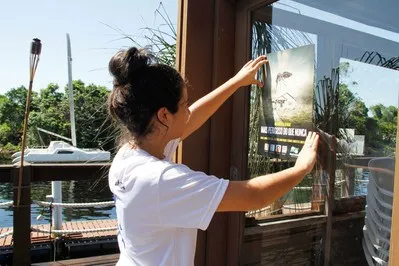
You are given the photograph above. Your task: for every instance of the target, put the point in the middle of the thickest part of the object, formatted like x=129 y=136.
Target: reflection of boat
x=60 y=151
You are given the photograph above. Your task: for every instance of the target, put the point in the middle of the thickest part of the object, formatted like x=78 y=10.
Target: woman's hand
x=246 y=76
x=307 y=157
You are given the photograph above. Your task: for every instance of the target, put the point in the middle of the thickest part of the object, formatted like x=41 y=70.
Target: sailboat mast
x=71 y=101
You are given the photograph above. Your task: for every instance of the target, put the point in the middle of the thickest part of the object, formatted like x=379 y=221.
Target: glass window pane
x=355 y=98
x=355 y=91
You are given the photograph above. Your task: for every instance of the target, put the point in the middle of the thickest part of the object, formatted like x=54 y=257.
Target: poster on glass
x=287 y=102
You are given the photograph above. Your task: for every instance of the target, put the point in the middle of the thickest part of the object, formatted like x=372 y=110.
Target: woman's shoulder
x=129 y=159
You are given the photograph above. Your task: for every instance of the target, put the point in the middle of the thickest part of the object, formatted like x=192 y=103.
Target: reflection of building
x=350 y=143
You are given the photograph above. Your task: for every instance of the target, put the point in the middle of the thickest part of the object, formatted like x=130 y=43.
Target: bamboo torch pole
x=36 y=48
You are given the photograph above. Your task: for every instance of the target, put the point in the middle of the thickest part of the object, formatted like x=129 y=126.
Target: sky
x=93 y=42
x=364 y=80
x=373 y=84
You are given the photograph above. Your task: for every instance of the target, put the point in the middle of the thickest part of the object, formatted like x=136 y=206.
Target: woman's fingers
x=257 y=60
x=260 y=63
x=308 y=140
x=312 y=140
x=248 y=63
x=257 y=82
x=315 y=143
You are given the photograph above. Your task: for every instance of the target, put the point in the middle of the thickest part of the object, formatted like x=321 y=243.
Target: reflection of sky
x=315 y=13
x=295 y=35
x=374 y=84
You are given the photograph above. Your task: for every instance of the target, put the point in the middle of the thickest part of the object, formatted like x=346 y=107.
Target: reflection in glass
x=355 y=63
x=367 y=123
x=355 y=100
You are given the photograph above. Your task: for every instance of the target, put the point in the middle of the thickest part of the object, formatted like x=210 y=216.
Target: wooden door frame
x=240 y=114
x=205 y=56
x=241 y=97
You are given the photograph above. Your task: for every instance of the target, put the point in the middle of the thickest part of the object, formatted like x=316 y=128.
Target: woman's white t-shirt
x=159 y=206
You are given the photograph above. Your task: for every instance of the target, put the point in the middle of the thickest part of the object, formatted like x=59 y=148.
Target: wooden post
x=206 y=59
x=319 y=186
x=394 y=243
x=317 y=203
x=332 y=159
x=21 y=217
x=350 y=182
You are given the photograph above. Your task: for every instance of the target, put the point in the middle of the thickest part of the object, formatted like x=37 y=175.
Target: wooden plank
x=346 y=242
x=285 y=224
x=113 y=224
x=394 y=241
x=73 y=171
x=69 y=236
x=240 y=114
x=38 y=237
x=64 y=171
x=104 y=260
x=89 y=225
x=22 y=215
x=222 y=246
x=195 y=56
x=101 y=224
x=351 y=204
x=96 y=224
x=8 y=241
x=3 y=240
x=6 y=173
x=298 y=241
x=332 y=163
x=67 y=226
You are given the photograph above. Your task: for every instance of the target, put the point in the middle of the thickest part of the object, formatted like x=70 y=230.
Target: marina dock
x=69 y=245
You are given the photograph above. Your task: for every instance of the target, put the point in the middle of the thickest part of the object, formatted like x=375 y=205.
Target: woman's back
x=159 y=207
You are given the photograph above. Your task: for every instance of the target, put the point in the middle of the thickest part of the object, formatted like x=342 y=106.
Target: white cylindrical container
x=56 y=190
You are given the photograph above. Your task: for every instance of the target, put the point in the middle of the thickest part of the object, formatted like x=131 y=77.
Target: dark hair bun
x=141 y=88
x=125 y=64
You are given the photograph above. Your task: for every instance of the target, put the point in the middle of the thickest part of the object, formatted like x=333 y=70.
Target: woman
x=161 y=204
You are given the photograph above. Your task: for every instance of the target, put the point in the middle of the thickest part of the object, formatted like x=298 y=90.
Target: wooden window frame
x=240 y=123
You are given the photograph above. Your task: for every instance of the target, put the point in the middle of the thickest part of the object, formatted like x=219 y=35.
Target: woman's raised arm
x=206 y=106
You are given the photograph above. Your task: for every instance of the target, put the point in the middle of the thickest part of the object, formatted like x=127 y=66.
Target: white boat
x=60 y=151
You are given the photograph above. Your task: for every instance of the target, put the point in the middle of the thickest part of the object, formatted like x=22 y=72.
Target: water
x=97 y=190
x=72 y=192
x=361 y=182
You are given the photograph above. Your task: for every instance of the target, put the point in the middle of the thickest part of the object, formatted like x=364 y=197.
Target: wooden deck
x=41 y=238
x=105 y=260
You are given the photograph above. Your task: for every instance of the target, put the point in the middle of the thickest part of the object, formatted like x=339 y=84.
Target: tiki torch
x=35 y=50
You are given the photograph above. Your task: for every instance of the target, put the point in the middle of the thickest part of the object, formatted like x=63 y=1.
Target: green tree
x=93 y=126
x=5 y=132
x=50 y=115
x=50 y=111
x=12 y=110
x=352 y=111
x=386 y=124
x=6 y=151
